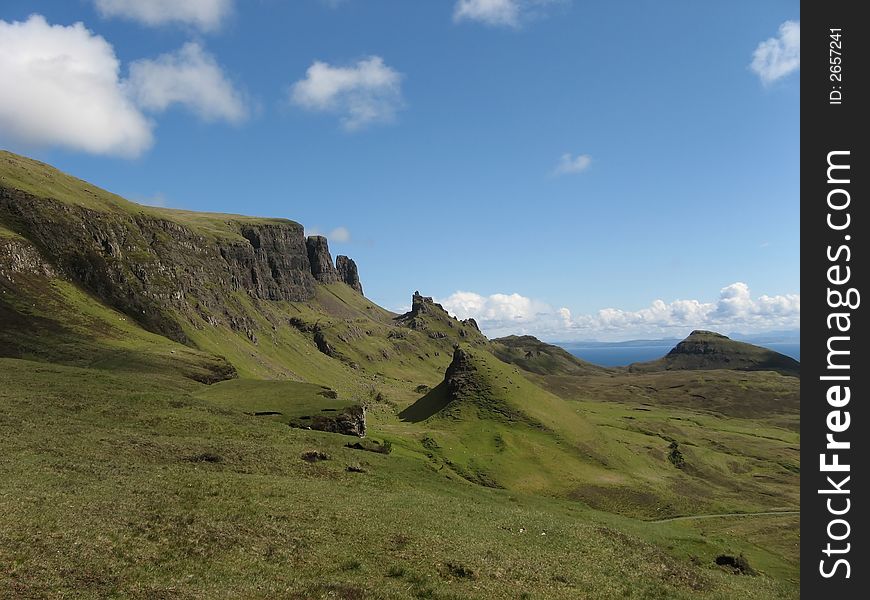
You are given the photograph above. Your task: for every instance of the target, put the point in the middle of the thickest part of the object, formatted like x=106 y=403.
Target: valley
x=198 y=405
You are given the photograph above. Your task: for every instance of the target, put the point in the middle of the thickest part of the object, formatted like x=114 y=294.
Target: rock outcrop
x=350 y=421
x=320 y=260
x=155 y=269
x=471 y=323
x=429 y=317
x=19 y=257
x=461 y=375
x=348 y=273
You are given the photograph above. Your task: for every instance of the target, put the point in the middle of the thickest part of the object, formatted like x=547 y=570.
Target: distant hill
x=710 y=350
x=531 y=354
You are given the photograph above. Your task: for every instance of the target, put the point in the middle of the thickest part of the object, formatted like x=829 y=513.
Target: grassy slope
x=127 y=485
x=535 y=356
x=508 y=432
x=109 y=461
x=44 y=181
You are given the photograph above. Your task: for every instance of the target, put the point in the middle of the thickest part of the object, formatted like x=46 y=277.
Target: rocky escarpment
x=18 y=256
x=166 y=269
x=348 y=273
x=320 y=260
x=157 y=270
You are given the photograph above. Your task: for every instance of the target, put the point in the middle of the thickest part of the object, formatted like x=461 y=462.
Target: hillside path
x=719 y=515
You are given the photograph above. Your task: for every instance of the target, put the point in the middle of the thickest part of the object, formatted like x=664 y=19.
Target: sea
x=619 y=355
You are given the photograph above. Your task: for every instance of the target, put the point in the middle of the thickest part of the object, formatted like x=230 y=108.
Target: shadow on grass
x=428 y=405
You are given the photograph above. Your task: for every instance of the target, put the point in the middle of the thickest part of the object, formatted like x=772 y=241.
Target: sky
x=572 y=169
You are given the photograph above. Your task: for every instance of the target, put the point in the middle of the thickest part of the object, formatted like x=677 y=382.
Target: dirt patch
x=738 y=565
x=205 y=457
x=314 y=456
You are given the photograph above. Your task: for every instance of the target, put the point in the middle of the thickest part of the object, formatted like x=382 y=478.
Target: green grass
x=506 y=432
x=123 y=476
x=129 y=485
x=44 y=181
x=292 y=400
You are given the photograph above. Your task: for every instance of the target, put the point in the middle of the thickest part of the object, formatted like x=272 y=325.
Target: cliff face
x=169 y=270
x=348 y=273
x=320 y=259
x=155 y=269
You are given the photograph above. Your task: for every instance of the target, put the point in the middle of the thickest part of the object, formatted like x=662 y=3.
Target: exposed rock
x=471 y=323
x=422 y=304
x=348 y=272
x=320 y=259
x=19 y=257
x=322 y=344
x=148 y=267
x=351 y=421
x=315 y=456
x=460 y=376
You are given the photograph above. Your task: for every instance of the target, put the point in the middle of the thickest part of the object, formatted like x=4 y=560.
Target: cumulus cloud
x=498 y=13
x=206 y=15
x=734 y=309
x=63 y=89
x=778 y=56
x=190 y=77
x=364 y=93
x=340 y=235
x=571 y=165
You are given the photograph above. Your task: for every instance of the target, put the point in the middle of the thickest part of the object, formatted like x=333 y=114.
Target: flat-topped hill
x=710 y=350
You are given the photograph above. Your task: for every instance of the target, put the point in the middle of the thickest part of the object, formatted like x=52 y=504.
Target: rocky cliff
x=348 y=272
x=155 y=269
x=320 y=260
x=167 y=269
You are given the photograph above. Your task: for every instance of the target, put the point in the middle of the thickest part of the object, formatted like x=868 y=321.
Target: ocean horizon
x=620 y=355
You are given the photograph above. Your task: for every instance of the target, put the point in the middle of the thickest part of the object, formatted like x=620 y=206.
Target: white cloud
x=499 y=13
x=206 y=15
x=735 y=309
x=570 y=165
x=364 y=93
x=159 y=200
x=62 y=88
x=190 y=77
x=339 y=235
x=778 y=56
x=491 y=12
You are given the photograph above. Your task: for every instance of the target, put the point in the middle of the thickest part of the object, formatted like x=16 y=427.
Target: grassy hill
x=150 y=455
x=535 y=356
x=710 y=350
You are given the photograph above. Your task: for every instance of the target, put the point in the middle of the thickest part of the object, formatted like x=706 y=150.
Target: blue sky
x=539 y=156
